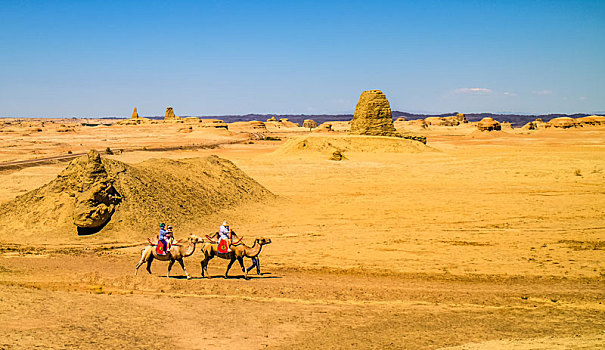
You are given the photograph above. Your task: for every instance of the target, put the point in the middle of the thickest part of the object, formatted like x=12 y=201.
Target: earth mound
x=95 y=194
x=328 y=144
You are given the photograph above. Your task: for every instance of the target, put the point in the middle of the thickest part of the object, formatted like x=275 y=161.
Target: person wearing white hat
x=225 y=234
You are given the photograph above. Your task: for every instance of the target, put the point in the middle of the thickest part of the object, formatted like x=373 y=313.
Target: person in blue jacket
x=163 y=238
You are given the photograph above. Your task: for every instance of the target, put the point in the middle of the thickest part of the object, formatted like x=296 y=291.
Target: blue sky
x=102 y=58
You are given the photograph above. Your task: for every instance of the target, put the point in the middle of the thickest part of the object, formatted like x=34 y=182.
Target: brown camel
x=238 y=252
x=177 y=253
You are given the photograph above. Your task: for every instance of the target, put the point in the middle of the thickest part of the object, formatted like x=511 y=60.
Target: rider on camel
x=225 y=234
x=165 y=237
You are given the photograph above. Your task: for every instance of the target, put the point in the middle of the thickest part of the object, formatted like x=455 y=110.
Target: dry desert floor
x=484 y=241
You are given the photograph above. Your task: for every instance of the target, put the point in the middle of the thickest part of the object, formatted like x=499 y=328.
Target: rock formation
x=95 y=196
x=324 y=127
x=170 y=116
x=272 y=119
x=453 y=120
x=309 y=123
x=214 y=123
x=488 y=124
x=373 y=115
x=192 y=120
x=563 y=122
x=338 y=156
x=135 y=119
x=591 y=120
x=418 y=122
x=285 y=122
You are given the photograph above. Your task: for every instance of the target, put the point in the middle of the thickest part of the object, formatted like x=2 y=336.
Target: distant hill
x=517 y=120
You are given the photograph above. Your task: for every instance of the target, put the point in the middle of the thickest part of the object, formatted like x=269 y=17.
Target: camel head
x=263 y=240
x=195 y=239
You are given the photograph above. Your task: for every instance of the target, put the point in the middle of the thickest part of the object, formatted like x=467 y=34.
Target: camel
x=177 y=253
x=238 y=252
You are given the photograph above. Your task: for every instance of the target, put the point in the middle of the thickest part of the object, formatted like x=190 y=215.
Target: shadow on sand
x=266 y=275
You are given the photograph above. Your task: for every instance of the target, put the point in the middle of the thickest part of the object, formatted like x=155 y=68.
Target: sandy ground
x=492 y=241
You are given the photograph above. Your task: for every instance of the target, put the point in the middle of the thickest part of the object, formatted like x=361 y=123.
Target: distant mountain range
x=516 y=120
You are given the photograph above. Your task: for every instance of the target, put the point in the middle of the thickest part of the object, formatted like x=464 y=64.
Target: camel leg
x=138 y=265
x=141 y=262
x=229 y=266
x=170 y=267
x=253 y=264
x=184 y=269
x=240 y=260
x=205 y=266
x=149 y=261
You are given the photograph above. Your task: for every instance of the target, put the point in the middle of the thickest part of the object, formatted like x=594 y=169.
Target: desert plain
x=476 y=240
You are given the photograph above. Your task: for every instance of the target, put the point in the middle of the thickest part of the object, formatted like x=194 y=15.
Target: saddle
x=160 y=249
x=235 y=240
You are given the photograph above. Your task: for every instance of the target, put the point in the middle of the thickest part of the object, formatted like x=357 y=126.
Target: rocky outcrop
x=213 y=123
x=135 y=119
x=488 y=124
x=324 y=127
x=591 y=120
x=453 y=120
x=337 y=156
x=192 y=120
x=93 y=190
x=309 y=123
x=563 y=122
x=373 y=115
x=170 y=116
x=285 y=122
x=418 y=122
x=272 y=119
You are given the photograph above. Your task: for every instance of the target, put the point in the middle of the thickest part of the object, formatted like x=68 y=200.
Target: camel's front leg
x=170 y=267
x=184 y=269
x=240 y=260
x=149 y=261
x=255 y=263
x=229 y=266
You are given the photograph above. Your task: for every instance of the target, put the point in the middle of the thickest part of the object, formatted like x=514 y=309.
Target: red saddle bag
x=223 y=247
x=159 y=249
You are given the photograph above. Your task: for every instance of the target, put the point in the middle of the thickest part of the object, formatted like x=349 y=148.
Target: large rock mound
x=488 y=124
x=373 y=115
x=95 y=194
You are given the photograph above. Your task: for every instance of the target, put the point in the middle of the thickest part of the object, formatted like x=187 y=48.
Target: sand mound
x=107 y=196
x=328 y=144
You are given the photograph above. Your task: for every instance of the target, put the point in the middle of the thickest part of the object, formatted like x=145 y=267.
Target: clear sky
x=102 y=58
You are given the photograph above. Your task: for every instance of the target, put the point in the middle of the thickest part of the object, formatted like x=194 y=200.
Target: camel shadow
x=175 y=277
x=265 y=275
